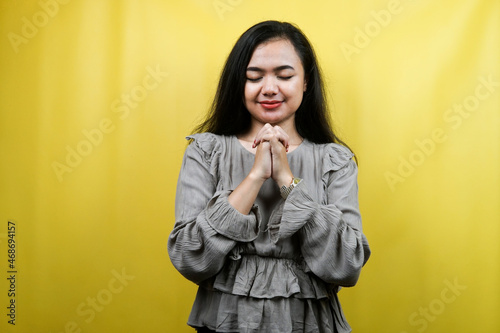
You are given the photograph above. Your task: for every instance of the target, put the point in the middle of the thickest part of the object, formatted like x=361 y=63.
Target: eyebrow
x=276 y=69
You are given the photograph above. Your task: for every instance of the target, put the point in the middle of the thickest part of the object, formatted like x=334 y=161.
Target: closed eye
x=260 y=78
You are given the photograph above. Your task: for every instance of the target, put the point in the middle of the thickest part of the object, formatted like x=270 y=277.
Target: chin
x=272 y=121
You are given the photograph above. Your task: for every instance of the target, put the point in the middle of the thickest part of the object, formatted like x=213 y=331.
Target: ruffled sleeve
x=332 y=242
x=207 y=227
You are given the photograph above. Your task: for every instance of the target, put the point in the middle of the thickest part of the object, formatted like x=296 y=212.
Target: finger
x=274 y=134
x=266 y=129
x=267 y=137
x=282 y=136
x=277 y=146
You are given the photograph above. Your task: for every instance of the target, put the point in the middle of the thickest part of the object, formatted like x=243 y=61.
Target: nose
x=269 y=87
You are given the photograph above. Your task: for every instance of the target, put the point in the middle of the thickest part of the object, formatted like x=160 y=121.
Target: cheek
x=245 y=93
x=247 y=98
x=295 y=90
x=250 y=92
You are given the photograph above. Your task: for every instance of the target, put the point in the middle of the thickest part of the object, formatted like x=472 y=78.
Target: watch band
x=285 y=190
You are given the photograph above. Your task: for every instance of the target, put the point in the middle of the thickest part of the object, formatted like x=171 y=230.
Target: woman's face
x=275 y=84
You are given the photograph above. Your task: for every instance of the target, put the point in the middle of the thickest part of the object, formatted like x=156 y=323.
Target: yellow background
x=398 y=72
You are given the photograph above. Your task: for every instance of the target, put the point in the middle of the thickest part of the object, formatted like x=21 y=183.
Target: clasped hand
x=270 y=159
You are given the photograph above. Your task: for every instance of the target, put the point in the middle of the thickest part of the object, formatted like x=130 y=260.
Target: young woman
x=267 y=217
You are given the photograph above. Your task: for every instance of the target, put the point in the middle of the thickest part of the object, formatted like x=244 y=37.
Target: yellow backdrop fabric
x=97 y=96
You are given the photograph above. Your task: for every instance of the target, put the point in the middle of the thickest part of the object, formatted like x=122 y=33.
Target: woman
x=267 y=218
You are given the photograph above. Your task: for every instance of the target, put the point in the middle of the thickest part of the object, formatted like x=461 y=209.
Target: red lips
x=271 y=104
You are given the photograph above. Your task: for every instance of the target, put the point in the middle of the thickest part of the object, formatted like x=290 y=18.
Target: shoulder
x=206 y=144
x=333 y=156
x=206 y=138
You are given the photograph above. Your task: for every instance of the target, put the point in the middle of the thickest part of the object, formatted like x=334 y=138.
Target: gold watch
x=285 y=190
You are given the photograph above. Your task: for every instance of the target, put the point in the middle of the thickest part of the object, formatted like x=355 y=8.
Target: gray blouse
x=279 y=268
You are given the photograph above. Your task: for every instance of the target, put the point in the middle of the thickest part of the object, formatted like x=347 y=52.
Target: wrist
x=285 y=180
x=286 y=189
x=256 y=178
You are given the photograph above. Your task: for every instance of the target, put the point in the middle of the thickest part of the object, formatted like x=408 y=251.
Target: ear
x=305 y=85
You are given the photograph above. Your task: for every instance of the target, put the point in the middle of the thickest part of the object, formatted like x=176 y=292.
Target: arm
x=244 y=195
x=207 y=227
x=270 y=161
x=332 y=242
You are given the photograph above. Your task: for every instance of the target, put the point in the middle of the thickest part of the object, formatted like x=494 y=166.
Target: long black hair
x=228 y=115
